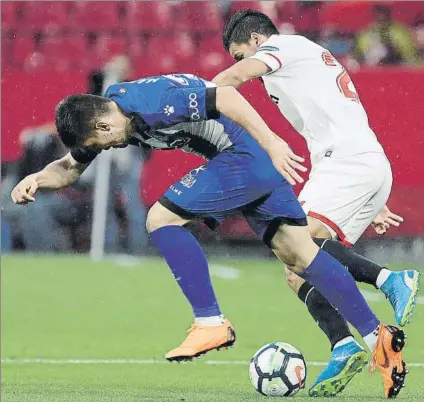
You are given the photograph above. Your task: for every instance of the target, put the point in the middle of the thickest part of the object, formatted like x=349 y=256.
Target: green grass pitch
x=76 y=330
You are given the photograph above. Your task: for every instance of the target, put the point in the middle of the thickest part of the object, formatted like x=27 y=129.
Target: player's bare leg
x=295 y=247
x=210 y=331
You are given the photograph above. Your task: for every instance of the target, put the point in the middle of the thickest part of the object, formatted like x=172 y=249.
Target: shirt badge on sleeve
x=168 y=110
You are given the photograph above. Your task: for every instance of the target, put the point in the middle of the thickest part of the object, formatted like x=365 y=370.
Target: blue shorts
x=240 y=179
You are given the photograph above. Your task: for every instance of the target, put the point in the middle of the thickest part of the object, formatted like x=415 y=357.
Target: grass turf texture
x=71 y=308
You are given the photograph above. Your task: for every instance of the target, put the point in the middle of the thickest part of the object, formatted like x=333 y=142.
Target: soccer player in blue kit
x=245 y=159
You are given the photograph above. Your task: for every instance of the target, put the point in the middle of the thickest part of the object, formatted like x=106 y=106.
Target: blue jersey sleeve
x=161 y=105
x=179 y=105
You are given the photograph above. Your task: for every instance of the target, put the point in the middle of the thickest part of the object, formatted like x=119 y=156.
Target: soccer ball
x=278 y=369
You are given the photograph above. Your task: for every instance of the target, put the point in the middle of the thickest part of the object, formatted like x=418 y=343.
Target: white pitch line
x=144 y=362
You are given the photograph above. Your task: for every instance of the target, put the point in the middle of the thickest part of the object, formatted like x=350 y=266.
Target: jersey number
x=343 y=80
x=346 y=86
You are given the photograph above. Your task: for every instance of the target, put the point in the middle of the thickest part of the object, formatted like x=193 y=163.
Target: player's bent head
x=247 y=27
x=76 y=117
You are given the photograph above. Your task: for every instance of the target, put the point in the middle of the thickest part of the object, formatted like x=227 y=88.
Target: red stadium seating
x=242 y=5
x=352 y=16
x=112 y=45
x=406 y=12
x=37 y=15
x=200 y=16
x=22 y=48
x=288 y=11
x=96 y=15
x=57 y=55
x=163 y=62
x=187 y=25
x=148 y=16
x=9 y=14
x=212 y=58
x=136 y=46
x=77 y=47
x=7 y=40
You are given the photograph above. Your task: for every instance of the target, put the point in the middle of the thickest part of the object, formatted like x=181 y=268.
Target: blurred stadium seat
x=37 y=15
x=212 y=59
x=96 y=15
x=9 y=15
x=200 y=16
x=22 y=48
x=148 y=16
x=242 y=5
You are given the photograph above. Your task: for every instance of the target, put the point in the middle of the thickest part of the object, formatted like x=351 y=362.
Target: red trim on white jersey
x=276 y=58
x=332 y=225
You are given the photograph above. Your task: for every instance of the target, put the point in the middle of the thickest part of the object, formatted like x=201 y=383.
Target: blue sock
x=337 y=285
x=188 y=263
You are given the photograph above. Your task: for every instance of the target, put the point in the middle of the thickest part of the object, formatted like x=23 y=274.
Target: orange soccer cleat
x=202 y=339
x=387 y=357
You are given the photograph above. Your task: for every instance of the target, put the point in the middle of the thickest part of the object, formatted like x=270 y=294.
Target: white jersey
x=315 y=94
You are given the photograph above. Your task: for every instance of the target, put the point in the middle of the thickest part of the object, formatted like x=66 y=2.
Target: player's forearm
x=229 y=77
x=241 y=72
x=60 y=173
x=233 y=105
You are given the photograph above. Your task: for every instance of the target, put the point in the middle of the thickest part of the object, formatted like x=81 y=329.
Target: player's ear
x=255 y=38
x=102 y=126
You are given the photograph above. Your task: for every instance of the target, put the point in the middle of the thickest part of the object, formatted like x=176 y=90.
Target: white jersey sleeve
x=274 y=54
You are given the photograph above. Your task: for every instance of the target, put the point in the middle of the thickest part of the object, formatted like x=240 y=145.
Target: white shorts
x=346 y=194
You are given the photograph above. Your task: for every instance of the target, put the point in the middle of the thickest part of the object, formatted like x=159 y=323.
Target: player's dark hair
x=240 y=25
x=75 y=116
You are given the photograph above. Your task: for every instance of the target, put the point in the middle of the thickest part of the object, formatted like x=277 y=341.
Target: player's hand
x=384 y=220
x=286 y=161
x=24 y=191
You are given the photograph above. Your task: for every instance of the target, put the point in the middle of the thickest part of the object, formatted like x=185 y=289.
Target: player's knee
x=294 y=281
x=159 y=216
x=294 y=247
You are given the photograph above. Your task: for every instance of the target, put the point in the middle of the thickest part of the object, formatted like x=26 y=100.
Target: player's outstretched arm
x=233 y=105
x=60 y=173
x=241 y=72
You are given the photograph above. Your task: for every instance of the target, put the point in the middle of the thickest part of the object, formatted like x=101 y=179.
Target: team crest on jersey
x=122 y=90
x=168 y=110
x=191 y=177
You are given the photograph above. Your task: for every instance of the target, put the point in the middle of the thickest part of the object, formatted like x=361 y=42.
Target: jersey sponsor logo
x=178 y=78
x=191 y=177
x=195 y=114
x=175 y=190
x=168 y=110
x=268 y=49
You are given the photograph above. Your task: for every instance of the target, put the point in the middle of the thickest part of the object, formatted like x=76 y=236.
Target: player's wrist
x=271 y=141
x=35 y=177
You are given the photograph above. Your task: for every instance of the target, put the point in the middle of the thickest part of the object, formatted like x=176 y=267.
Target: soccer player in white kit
x=350 y=180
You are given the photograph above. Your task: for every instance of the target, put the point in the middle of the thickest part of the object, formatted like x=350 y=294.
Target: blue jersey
x=176 y=111
x=179 y=112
